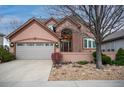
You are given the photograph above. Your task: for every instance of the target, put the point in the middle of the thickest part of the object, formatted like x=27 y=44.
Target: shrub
x=118 y=62
x=105 y=59
x=119 y=58
x=94 y=56
x=82 y=62
x=120 y=54
x=5 y=56
x=56 y=58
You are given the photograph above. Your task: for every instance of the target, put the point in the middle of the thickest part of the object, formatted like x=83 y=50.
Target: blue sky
x=21 y=13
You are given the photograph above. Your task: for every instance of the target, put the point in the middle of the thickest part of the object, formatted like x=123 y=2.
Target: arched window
x=66 y=42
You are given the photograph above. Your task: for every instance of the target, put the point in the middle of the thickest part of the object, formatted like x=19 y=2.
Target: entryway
x=66 y=41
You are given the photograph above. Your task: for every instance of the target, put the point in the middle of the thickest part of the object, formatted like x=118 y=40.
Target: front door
x=66 y=46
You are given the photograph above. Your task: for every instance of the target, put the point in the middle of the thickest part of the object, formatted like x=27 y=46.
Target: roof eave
x=109 y=40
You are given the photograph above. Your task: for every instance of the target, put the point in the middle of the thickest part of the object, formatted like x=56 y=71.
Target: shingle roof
x=43 y=20
x=114 y=36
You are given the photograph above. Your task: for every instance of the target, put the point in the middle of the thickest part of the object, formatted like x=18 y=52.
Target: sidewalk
x=82 y=83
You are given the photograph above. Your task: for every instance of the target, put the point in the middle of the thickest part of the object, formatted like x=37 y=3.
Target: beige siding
x=113 y=45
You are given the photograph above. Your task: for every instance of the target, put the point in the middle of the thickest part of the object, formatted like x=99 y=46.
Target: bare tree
x=1 y=17
x=100 y=20
x=14 y=24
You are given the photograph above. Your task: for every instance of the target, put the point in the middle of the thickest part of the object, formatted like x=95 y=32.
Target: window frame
x=51 y=26
x=90 y=43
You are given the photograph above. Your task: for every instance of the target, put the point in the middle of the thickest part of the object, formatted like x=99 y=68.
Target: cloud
x=7 y=19
x=5 y=23
x=41 y=11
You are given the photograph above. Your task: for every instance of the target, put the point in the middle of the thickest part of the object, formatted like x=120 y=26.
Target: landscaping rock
x=75 y=71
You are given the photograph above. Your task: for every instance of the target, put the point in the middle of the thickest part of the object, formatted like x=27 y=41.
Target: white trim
x=88 y=39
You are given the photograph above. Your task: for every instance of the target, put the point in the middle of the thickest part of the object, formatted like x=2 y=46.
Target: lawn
x=75 y=71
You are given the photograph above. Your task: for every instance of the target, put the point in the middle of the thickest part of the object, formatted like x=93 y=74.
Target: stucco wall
x=81 y=56
x=34 y=31
x=76 y=37
x=12 y=50
x=77 y=56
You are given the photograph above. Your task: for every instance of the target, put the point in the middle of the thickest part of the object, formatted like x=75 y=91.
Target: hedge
x=119 y=58
x=120 y=54
x=6 y=56
x=105 y=59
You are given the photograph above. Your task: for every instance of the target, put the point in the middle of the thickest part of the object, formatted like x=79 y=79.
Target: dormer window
x=52 y=27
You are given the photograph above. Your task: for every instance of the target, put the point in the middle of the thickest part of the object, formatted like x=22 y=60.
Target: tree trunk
x=98 y=56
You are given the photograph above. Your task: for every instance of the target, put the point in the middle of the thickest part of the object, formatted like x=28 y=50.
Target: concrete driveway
x=35 y=73
x=25 y=70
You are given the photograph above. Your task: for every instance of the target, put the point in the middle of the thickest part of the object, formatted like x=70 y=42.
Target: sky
x=21 y=13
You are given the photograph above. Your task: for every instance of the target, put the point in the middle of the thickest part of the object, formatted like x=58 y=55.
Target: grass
x=82 y=62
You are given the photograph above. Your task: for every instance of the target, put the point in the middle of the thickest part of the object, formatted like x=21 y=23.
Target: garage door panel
x=34 y=52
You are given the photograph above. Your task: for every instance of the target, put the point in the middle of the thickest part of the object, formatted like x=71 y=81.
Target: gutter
x=109 y=40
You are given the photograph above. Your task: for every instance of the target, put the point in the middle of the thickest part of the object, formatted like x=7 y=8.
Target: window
x=51 y=44
x=39 y=44
x=30 y=44
x=20 y=44
x=51 y=27
x=89 y=43
x=112 y=46
x=85 y=43
x=109 y=49
x=103 y=50
x=47 y=44
x=94 y=44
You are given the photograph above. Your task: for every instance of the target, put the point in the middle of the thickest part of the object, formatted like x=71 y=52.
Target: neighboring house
x=1 y=39
x=113 y=42
x=38 y=39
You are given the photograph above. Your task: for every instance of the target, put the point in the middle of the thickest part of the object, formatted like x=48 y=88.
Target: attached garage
x=35 y=51
x=33 y=41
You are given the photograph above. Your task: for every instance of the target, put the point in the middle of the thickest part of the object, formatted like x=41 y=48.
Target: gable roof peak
x=51 y=18
x=68 y=18
x=26 y=23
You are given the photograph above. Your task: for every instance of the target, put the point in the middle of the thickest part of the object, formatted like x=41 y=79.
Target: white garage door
x=34 y=50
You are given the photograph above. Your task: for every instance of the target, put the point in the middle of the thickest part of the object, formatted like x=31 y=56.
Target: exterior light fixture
x=56 y=45
x=11 y=44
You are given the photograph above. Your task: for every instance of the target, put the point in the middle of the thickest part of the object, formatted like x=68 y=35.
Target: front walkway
x=83 y=83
